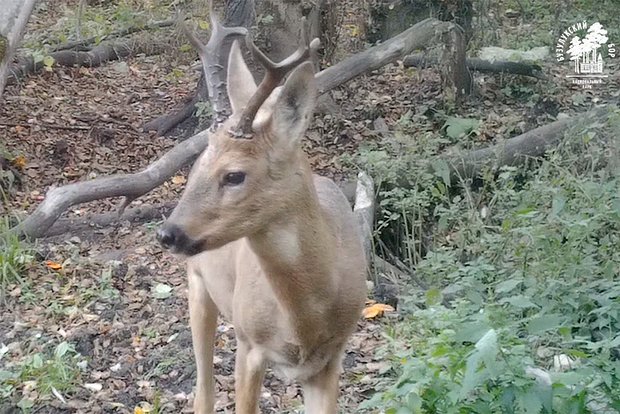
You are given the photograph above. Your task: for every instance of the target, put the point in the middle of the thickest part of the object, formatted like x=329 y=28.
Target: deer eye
x=234 y=178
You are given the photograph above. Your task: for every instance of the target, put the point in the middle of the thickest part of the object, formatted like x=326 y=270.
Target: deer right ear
x=241 y=85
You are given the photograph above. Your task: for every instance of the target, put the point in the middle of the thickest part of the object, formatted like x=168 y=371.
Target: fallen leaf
x=376 y=310
x=53 y=265
x=161 y=291
x=178 y=179
x=19 y=162
x=95 y=386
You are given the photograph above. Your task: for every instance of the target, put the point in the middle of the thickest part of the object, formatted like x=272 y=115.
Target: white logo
x=585 y=46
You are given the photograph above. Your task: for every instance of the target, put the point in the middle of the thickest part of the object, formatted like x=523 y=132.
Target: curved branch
x=418 y=36
x=59 y=199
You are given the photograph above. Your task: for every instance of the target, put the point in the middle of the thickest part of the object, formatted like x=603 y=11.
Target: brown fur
x=280 y=255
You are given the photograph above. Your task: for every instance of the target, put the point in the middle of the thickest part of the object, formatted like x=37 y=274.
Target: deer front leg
x=249 y=373
x=203 y=322
x=321 y=390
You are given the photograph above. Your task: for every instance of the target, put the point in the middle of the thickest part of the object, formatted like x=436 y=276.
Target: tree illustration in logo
x=585 y=52
x=575 y=51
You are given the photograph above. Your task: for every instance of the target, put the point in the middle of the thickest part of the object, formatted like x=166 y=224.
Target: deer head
x=251 y=172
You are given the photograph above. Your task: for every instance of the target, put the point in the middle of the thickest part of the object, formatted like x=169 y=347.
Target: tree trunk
x=13 y=20
x=278 y=23
x=390 y=17
x=237 y=13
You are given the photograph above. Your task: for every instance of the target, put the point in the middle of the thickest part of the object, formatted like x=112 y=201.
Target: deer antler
x=274 y=74
x=211 y=58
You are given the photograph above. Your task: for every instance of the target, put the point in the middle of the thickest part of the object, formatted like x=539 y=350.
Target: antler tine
x=211 y=59
x=274 y=74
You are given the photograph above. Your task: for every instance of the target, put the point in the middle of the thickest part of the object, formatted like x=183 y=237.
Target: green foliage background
x=523 y=310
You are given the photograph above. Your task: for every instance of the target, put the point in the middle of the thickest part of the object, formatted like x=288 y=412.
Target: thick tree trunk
x=237 y=13
x=13 y=19
x=390 y=17
x=278 y=30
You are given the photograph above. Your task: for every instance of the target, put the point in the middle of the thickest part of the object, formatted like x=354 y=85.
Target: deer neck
x=296 y=253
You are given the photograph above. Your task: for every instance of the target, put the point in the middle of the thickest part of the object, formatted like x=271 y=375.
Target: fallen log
x=481 y=65
x=132 y=186
x=140 y=214
x=517 y=150
x=94 y=57
x=59 y=199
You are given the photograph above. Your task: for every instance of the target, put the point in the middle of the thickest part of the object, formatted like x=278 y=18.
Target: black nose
x=170 y=235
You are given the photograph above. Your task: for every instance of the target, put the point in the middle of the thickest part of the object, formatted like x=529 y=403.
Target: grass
x=41 y=373
x=15 y=255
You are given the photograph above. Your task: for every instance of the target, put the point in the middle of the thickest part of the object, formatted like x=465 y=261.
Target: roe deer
x=272 y=247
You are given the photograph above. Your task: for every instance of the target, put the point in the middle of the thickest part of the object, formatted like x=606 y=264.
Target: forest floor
x=112 y=293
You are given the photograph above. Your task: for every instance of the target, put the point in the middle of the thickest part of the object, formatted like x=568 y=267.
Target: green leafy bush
x=523 y=310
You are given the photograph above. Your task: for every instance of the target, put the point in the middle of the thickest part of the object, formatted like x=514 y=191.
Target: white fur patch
x=286 y=241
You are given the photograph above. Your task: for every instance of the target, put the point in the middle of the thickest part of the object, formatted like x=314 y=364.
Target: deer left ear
x=293 y=109
x=241 y=84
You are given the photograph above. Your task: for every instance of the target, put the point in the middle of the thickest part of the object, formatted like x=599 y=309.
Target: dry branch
x=418 y=36
x=132 y=186
x=140 y=214
x=364 y=209
x=59 y=199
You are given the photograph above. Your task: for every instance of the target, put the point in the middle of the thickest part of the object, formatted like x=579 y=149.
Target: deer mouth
x=192 y=248
x=173 y=238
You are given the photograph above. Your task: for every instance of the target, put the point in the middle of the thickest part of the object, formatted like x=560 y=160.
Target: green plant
x=204 y=111
x=522 y=313
x=47 y=372
x=15 y=255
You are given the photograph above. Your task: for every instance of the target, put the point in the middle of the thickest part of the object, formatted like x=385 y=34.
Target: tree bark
x=237 y=13
x=13 y=20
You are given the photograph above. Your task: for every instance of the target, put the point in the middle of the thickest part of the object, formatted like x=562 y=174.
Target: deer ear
x=293 y=109
x=241 y=84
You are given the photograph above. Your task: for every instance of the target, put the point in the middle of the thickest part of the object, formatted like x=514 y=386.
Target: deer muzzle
x=174 y=238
